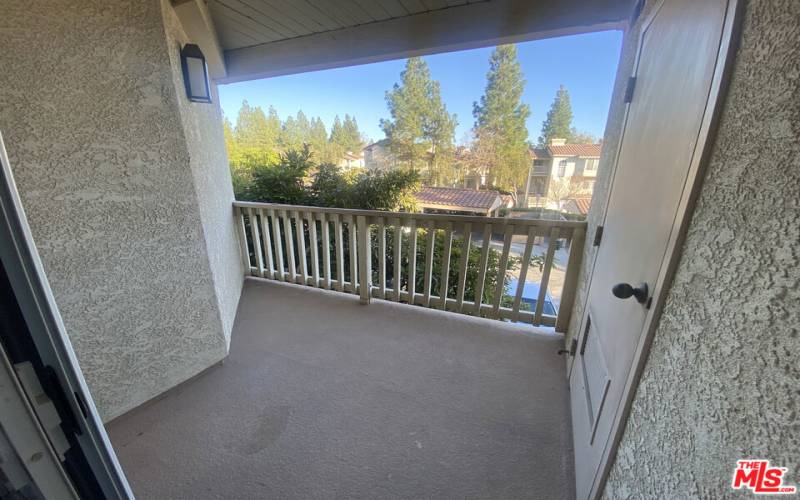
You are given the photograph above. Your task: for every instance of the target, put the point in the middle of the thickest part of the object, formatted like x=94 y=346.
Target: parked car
x=530 y=295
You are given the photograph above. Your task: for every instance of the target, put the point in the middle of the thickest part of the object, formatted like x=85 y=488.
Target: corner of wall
x=202 y=128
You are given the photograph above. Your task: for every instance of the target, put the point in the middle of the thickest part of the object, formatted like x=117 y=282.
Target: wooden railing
x=374 y=254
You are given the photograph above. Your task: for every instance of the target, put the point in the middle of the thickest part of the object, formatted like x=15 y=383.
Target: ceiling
x=250 y=39
x=245 y=23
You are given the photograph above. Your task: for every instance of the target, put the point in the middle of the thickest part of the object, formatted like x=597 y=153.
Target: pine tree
x=420 y=131
x=337 y=132
x=558 y=123
x=251 y=128
x=337 y=141
x=295 y=132
x=318 y=141
x=352 y=136
x=273 y=131
x=500 y=120
x=228 y=134
x=440 y=129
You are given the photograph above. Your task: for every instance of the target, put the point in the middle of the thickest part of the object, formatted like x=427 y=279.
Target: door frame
x=45 y=328
x=719 y=83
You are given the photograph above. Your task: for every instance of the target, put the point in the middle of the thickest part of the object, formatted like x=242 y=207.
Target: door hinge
x=598 y=236
x=629 y=89
x=573 y=348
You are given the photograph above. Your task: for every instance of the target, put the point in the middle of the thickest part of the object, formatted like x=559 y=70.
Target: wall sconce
x=195 y=73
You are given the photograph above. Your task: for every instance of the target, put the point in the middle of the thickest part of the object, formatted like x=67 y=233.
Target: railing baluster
x=256 y=234
x=381 y=258
x=548 y=264
x=430 y=245
x=364 y=259
x=523 y=272
x=300 y=233
x=398 y=245
x=326 y=250
x=289 y=245
x=570 y=279
x=463 y=265
x=267 y=241
x=412 y=263
x=487 y=241
x=314 y=243
x=353 y=240
x=276 y=233
x=243 y=243
x=501 y=271
x=337 y=233
x=445 y=276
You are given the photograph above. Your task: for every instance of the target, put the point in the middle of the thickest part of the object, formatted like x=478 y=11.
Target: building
x=351 y=160
x=460 y=201
x=377 y=156
x=562 y=175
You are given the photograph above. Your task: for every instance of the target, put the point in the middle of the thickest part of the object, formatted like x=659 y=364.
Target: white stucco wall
x=121 y=182
x=202 y=128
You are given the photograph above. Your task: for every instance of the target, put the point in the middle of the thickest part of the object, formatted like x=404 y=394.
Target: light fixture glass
x=195 y=74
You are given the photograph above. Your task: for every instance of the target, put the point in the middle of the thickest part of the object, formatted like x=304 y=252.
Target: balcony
x=336 y=386
x=323 y=397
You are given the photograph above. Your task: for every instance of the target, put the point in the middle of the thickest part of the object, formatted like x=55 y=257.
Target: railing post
x=364 y=260
x=571 y=279
x=243 y=243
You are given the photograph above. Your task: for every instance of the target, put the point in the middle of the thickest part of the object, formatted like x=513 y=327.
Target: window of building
x=562 y=168
x=591 y=164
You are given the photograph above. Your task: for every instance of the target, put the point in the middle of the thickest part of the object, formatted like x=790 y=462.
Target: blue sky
x=585 y=64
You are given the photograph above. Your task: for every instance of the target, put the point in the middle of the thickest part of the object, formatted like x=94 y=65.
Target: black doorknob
x=624 y=291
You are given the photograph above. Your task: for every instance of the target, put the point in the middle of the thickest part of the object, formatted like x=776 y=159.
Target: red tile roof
x=576 y=150
x=582 y=204
x=590 y=150
x=449 y=198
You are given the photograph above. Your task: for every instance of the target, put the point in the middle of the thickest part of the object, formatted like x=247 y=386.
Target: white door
x=678 y=52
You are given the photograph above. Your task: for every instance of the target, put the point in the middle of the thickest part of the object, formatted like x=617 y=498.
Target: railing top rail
x=494 y=221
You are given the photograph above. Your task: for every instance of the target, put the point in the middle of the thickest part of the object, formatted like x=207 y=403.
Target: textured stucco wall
x=202 y=128
x=91 y=117
x=722 y=381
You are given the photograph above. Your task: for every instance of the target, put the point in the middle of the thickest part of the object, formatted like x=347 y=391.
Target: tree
x=578 y=137
x=345 y=135
x=420 y=130
x=440 y=129
x=281 y=182
x=370 y=190
x=562 y=189
x=318 y=141
x=295 y=132
x=500 y=120
x=252 y=129
x=352 y=140
x=559 y=119
x=273 y=129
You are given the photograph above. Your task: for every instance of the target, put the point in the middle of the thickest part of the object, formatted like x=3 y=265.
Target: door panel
x=678 y=50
